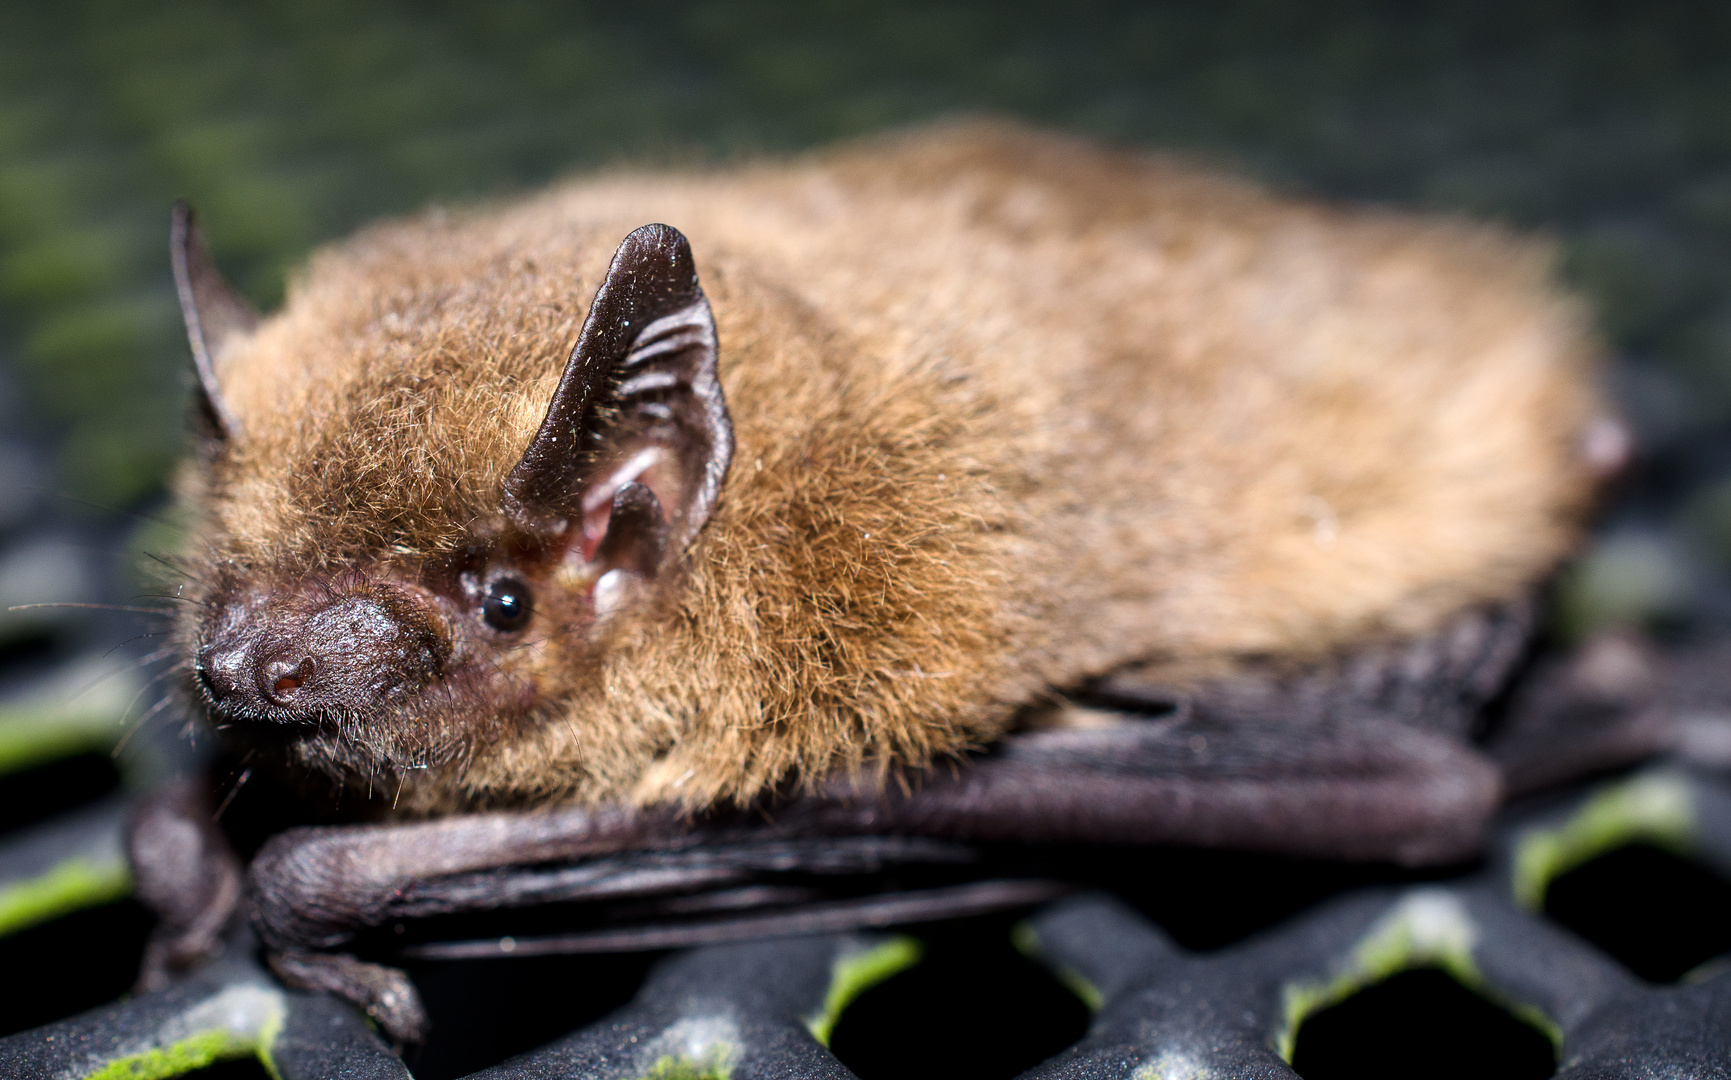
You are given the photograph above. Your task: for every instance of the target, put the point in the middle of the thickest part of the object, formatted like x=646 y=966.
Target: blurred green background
x=289 y=123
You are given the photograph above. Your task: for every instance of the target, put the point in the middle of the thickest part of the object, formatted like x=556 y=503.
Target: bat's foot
x=383 y=993
x=184 y=871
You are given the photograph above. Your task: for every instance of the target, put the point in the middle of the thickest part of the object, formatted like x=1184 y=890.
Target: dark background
x=1606 y=126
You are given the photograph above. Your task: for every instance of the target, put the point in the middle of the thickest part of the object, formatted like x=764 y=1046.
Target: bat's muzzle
x=305 y=658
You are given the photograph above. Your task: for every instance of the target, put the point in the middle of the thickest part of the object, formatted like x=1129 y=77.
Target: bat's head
x=396 y=564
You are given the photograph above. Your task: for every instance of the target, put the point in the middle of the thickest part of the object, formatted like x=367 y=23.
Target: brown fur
x=1011 y=412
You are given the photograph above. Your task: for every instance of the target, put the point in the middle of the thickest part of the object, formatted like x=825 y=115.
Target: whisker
x=240 y=782
x=150 y=682
x=173 y=598
x=130 y=640
x=137 y=515
x=143 y=721
x=95 y=607
x=123 y=669
x=131 y=728
x=148 y=658
x=166 y=564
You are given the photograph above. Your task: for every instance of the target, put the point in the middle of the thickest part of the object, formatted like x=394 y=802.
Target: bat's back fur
x=1011 y=412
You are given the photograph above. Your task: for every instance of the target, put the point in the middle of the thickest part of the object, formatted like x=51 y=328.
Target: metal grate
x=1158 y=1010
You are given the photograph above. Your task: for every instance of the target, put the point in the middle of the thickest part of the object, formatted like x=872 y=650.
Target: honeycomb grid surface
x=755 y=1009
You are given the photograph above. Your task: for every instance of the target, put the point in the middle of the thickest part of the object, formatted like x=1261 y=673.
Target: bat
x=973 y=486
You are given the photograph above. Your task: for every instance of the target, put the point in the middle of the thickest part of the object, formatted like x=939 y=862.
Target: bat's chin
x=387 y=743
x=375 y=753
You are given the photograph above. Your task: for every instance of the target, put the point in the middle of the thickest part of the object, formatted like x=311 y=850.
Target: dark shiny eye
x=507 y=605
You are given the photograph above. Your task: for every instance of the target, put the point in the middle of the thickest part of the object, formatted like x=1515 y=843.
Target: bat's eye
x=507 y=605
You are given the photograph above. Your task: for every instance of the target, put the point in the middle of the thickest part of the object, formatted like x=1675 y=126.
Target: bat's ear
x=215 y=315
x=637 y=438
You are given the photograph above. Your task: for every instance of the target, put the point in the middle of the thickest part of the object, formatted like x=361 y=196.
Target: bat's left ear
x=636 y=440
x=215 y=314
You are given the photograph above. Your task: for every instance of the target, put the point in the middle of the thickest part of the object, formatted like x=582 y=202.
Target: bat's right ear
x=215 y=314
x=637 y=439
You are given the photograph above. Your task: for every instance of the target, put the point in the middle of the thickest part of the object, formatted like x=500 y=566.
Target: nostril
x=281 y=678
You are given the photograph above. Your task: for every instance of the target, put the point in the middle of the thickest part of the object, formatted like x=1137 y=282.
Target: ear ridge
x=679 y=352
x=645 y=363
x=213 y=312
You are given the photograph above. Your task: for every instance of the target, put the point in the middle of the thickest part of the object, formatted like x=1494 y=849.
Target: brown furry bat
x=1215 y=515
x=956 y=422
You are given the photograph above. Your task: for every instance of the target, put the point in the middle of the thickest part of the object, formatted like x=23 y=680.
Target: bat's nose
x=236 y=679
x=294 y=659
x=221 y=671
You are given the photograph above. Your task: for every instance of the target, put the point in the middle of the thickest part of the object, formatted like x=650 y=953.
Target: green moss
x=855 y=973
x=266 y=1046
x=196 y=1052
x=710 y=1067
x=1078 y=984
x=1428 y=928
x=182 y=1057
x=1027 y=942
x=72 y=885
x=1657 y=808
x=243 y=1021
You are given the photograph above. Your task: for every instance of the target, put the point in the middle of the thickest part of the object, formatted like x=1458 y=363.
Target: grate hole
x=1658 y=914
x=53 y=789
x=484 y=1011
x=1429 y=1023
x=75 y=963
x=29 y=652
x=973 y=1007
x=1226 y=897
